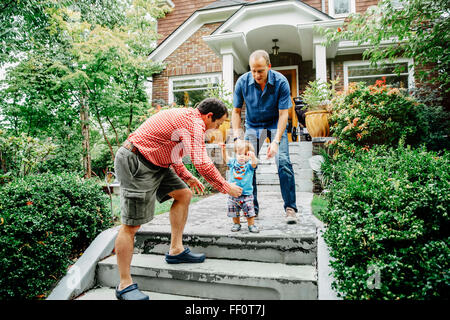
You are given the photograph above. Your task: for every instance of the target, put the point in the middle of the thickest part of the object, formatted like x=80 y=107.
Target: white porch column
x=227 y=71
x=320 y=57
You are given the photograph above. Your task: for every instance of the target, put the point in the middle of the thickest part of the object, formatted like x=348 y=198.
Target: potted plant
x=317 y=97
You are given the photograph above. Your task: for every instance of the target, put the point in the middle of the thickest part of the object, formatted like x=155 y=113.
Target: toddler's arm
x=224 y=152
x=252 y=155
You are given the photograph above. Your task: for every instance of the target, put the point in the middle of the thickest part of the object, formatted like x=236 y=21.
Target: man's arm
x=284 y=103
x=282 y=123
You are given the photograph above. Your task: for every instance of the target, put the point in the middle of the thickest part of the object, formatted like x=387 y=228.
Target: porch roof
x=248 y=26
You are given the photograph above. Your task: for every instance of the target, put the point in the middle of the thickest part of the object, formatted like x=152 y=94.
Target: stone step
x=105 y=293
x=294 y=148
x=300 y=174
x=304 y=186
x=267 y=167
x=216 y=278
x=298 y=249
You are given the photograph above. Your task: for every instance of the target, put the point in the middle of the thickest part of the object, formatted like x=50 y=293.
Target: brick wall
x=192 y=57
x=362 y=5
x=315 y=3
x=182 y=11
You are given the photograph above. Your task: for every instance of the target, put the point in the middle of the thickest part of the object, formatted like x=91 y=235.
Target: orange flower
x=358 y=136
x=29 y=203
x=339 y=29
x=366 y=148
x=355 y=121
x=2 y=221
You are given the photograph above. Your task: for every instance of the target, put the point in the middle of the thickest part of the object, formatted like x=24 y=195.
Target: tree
x=419 y=28
x=91 y=58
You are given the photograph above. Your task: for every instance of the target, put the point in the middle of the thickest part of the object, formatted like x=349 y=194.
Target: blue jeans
x=283 y=162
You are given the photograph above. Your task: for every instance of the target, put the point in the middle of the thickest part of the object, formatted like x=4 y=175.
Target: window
x=397 y=4
x=357 y=71
x=341 y=8
x=189 y=90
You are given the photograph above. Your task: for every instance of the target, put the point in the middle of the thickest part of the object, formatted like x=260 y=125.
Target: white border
x=342 y=15
x=189 y=77
x=411 y=80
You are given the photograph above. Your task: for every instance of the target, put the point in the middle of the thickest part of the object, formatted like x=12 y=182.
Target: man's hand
x=196 y=185
x=272 y=150
x=235 y=190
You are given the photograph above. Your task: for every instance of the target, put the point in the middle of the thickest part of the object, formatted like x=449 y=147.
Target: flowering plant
x=364 y=116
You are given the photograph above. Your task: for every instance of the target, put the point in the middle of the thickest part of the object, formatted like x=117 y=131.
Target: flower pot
x=317 y=123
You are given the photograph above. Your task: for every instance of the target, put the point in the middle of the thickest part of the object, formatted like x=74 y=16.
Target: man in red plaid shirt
x=149 y=167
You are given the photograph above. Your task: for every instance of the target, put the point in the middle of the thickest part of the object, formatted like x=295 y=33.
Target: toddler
x=242 y=168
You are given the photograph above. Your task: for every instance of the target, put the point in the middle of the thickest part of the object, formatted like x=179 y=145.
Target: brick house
x=207 y=42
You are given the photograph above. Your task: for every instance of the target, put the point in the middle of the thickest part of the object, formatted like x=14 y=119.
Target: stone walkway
x=209 y=217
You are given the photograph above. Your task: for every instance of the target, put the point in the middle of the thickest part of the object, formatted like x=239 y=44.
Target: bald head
x=259 y=66
x=257 y=55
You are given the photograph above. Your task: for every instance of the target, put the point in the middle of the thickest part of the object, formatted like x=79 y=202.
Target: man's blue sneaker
x=186 y=257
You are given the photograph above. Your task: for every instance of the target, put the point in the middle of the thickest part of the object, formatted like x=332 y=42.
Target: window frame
x=352 y=9
x=190 y=77
x=353 y=63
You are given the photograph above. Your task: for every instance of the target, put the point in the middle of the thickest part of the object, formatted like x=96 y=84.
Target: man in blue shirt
x=267 y=98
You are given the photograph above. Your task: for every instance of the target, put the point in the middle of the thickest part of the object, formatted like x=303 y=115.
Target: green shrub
x=45 y=222
x=388 y=216
x=364 y=116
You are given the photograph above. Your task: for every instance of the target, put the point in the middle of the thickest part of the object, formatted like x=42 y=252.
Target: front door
x=291 y=75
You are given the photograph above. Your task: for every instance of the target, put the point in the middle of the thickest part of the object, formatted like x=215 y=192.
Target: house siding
x=192 y=57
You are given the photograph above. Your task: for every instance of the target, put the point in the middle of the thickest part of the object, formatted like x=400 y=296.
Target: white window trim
x=342 y=15
x=190 y=77
x=411 y=83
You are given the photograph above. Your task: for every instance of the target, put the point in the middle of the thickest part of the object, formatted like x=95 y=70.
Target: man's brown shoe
x=291 y=217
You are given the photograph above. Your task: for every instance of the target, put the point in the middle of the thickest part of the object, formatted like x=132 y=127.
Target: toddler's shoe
x=253 y=229
x=236 y=227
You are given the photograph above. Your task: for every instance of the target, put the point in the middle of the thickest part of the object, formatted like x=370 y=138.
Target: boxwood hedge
x=387 y=223
x=45 y=222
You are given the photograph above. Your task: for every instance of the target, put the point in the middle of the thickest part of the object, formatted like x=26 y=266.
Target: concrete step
x=106 y=293
x=216 y=278
x=297 y=249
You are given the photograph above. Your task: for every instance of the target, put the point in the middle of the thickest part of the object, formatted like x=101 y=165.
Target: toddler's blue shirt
x=242 y=175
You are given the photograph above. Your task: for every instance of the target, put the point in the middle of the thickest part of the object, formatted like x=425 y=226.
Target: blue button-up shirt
x=262 y=107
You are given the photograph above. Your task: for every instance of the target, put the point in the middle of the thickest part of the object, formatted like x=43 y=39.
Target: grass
x=159 y=207
x=318 y=205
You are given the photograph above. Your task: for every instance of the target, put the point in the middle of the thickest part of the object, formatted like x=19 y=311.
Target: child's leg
x=236 y=220
x=251 y=221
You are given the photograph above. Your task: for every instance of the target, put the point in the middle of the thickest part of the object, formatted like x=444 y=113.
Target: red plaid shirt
x=164 y=138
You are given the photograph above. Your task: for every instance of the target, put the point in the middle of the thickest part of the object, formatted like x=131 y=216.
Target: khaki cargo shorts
x=141 y=183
